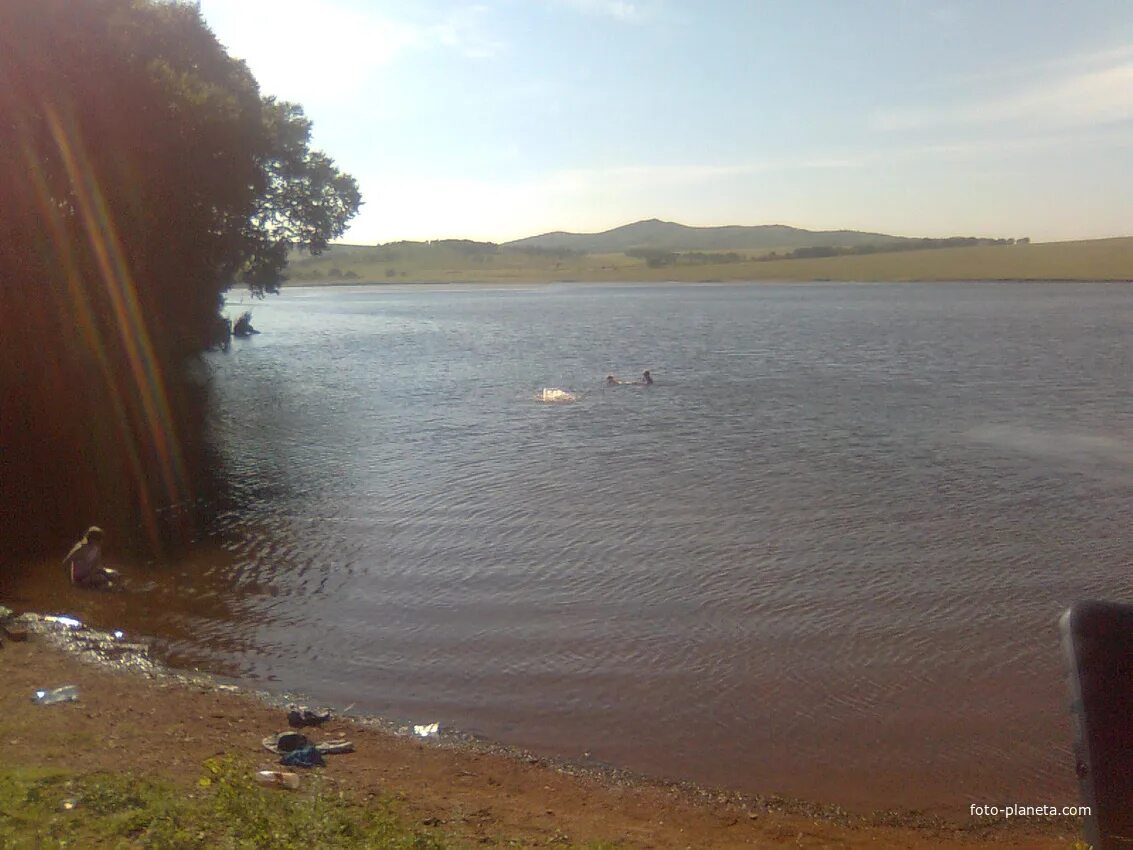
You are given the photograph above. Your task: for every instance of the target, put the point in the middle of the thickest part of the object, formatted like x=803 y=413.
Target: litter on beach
x=278 y=778
x=286 y=742
x=69 y=622
x=429 y=731
x=67 y=693
x=299 y=716
x=308 y=756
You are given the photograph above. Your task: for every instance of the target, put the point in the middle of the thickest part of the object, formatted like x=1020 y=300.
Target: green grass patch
x=44 y=809
x=53 y=809
x=1098 y=259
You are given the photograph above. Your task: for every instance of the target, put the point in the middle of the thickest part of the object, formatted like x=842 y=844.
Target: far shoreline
x=527 y=284
x=1092 y=261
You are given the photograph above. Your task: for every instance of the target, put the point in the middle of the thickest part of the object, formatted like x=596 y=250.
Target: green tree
x=141 y=175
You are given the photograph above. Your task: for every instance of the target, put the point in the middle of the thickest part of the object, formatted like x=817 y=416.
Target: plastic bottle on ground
x=67 y=693
x=278 y=778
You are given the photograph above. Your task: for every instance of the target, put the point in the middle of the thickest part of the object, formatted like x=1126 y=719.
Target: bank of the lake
x=1089 y=260
x=145 y=754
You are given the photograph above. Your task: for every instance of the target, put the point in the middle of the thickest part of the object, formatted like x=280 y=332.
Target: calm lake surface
x=824 y=555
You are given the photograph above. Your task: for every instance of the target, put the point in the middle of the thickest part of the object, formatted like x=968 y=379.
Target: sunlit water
x=823 y=555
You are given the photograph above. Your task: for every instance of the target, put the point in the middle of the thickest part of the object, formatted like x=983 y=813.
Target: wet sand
x=137 y=717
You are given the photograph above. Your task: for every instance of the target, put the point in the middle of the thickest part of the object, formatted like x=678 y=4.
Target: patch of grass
x=418 y=262
x=44 y=809
x=52 y=809
x=1097 y=259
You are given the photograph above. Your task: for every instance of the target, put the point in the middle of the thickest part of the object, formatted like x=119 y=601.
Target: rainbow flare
x=144 y=385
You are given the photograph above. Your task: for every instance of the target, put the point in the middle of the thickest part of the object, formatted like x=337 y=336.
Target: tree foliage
x=142 y=173
x=815 y=251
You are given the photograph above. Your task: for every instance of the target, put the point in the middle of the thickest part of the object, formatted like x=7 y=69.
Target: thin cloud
x=1088 y=98
x=999 y=147
x=934 y=14
x=1057 y=67
x=466 y=32
x=634 y=176
x=344 y=46
x=620 y=10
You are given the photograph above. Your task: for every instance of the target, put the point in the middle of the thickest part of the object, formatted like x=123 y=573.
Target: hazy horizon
x=498 y=120
x=348 y=241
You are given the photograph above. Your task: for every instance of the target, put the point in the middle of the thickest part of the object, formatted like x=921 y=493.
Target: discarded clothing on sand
x=308 y=756
x=299 y=716
x=286 y=742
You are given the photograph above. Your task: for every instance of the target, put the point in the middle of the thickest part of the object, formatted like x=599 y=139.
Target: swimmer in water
x=646 y=378
x=611 y=381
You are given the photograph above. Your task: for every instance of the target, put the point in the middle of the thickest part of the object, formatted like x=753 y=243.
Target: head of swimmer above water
x=646 y=377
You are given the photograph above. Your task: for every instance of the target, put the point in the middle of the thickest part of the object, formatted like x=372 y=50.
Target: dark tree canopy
x=141 y=174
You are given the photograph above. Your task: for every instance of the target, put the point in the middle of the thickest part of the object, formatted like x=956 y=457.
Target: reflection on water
x=554 y=394
x=823 y=556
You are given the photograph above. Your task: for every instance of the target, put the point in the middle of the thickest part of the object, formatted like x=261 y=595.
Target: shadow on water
x=188 y=585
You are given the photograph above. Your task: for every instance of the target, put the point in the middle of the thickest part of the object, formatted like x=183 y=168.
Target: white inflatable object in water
x=554 y=394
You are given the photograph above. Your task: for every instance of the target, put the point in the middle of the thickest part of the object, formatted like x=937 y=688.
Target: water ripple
x=824 y=554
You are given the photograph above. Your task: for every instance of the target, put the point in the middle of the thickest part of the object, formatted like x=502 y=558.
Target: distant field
x=1099 y=259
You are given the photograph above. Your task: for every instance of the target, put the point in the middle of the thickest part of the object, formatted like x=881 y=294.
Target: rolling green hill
x=669 y=236
x=462 y=261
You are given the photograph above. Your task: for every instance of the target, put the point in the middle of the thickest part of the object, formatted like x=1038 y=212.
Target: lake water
x=824 y=555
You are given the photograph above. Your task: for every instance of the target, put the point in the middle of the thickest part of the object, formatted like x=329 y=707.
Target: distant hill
x=670 y=236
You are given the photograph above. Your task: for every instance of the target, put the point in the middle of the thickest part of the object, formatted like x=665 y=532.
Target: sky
x=499 y=119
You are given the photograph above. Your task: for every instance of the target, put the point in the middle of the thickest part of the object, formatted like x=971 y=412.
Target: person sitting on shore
x=84 y=561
